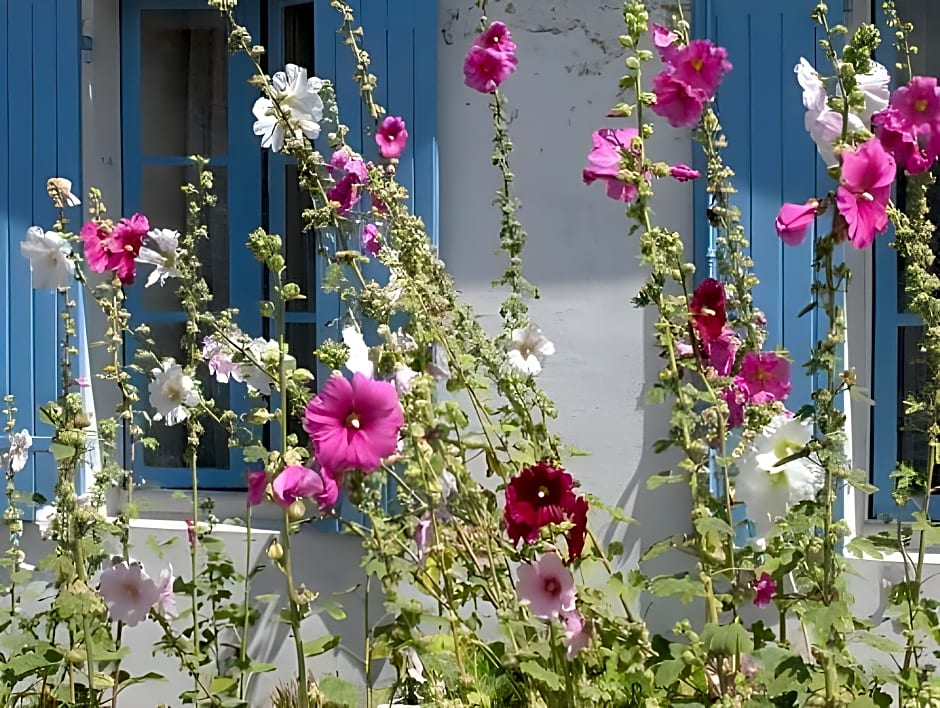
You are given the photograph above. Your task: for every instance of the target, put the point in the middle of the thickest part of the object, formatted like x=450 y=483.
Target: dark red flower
x=708 y=309
x=541 y=495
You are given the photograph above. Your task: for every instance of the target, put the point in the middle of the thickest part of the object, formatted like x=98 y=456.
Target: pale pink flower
x=677 y=101
x=128 y=592
x=664 y=39
x=794 y=220
x=577 y=634
x=300 y=482
x=765 y=376
x=353 y=425
x=82 y=381
x=485 y=69
x=424 y=534
x=166 y=604
x=547 y=586
x=610 y=144
x=862 y=197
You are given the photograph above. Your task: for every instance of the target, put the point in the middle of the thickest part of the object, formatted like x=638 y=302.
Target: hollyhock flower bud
x=683 y=173
x=577 y=634
x=794 y=220
x=391 y=137
x=677 y=101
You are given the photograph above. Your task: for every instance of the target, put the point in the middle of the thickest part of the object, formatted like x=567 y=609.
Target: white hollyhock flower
x=43 y=520
x=265 y=352
x=60 y=191
x=17 y=454
x=814 y=91
x=299 y=100
x=874 y=85
x=160 y=251
x=49 y=261
x=172 y=393
x=769 y=488
x=529 y=348
x=358 y=360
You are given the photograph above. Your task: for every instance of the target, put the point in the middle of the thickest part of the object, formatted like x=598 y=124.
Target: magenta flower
x=664 y=39
x=345 y=194
x=794 y=220
x=765 y=376
x=867 y=174
x=577 y=634
x=722 y=351
x=497 y=37
x=343 y=160
x=299 y=482
x=354 y=424
x=707 y=308
x=683 y=173
x=735 y=396
x=485 y=69
x=128 y=592
x=604 y=161
x=902 y=141
x=547 y=586
x=115 y=248
x=918 y=103
x=371 y=241
x=765 y=587
x=391 y=137
x=701 y=65
x=677 y=101
x=257 y=483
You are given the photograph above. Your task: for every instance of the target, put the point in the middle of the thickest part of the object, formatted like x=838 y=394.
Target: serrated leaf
x=727 y=640
x=712 y=524
x=320 y=645
x=862 y=546
x=549 y=678
x=686 y=589
x=338 y=693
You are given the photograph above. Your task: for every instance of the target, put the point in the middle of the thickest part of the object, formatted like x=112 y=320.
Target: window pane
x=165 y=206
x=298 y=35
x=301 y=341
x=300 y=245
x=213 y=445
x=184 y=82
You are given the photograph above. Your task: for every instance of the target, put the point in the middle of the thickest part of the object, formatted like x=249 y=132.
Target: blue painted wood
x=40 y=136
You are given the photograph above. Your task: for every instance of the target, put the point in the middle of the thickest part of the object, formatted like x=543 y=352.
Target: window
x=183 y=93
x=898 y=364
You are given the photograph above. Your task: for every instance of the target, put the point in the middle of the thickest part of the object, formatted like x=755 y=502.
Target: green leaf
x=712 y=524
x=655 y=481
x=668 y=672
x=550 y=679
x=338 y=693
x=660 y=547
x=686 y=588
x=222 y=684
x=318 y=646
x=727 y=640
x=861 y=546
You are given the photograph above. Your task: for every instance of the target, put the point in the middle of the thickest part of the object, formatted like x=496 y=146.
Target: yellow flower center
x=697 y=64
x=921 y=105
x=172 y=390
x=543 y=492
x=352 y=421
x=785 y=447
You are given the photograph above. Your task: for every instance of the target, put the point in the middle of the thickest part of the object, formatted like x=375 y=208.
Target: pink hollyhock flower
x=902 y=141
x=82 y=381
x=577 y=515
x=115 y=249
x=664 y=39
x=345 y=193
x=343 y=160
x=577 y=634
x=354 y=424
x=707 y=308
x=257 y=483
x=485 y=69
x=423 y=536
x=128 y=592
x=683 y=173
x=191 y=532
x=794 y=220
x=299 y=482
x=735 y=396
x=867 y=174
x=918 y=103
x=166 y=603
x=604 y=161
x=538 y=496
x=677 y=101
x=765 y=587
x=722 y=351
x=765 y=376
x=547 y=586
x=701 y=65
x=391 y=137
x=371 y=241
x=497 y=37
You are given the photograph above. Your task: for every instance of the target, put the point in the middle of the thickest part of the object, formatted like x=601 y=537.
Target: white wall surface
x=579 y=255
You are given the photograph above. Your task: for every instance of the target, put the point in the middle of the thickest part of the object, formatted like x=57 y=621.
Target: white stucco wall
x=579 y=255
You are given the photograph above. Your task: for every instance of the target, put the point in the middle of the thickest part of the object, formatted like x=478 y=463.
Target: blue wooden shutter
x=41 y=138
x=401 y=39
x=760 y=107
